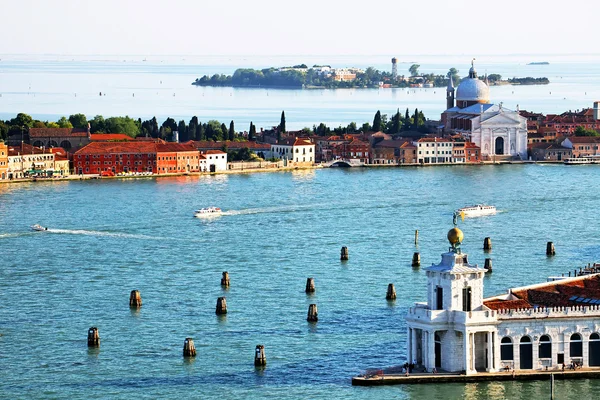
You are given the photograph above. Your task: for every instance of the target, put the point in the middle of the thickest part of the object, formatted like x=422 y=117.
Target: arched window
x=594 y=350
x=526 y=353
x=545 y=350
x=506 y=349
x=576 y=346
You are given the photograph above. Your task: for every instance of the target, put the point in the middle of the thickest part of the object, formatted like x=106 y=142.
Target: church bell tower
x=450 y=94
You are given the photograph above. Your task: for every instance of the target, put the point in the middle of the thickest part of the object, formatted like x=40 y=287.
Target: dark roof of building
x=56 y=132
x=232 y=145
x=24 y=149
x=108 y=137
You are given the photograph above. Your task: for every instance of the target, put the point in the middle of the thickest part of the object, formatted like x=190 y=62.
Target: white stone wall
x=559 y=330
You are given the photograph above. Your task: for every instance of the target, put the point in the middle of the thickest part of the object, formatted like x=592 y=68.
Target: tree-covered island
x=325 y=77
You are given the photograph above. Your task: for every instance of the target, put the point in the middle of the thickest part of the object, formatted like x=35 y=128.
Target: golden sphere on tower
x=455 y=236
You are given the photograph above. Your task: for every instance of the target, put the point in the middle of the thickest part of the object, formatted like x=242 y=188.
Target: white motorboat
x=477 y=210
x=208 y=212
x=38 y=228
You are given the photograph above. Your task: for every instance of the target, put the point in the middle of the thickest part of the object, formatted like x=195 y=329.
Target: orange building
x=173 y=158
x=110 y=158
x=3 y=161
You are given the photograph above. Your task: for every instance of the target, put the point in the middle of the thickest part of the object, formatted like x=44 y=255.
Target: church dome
x=473 y=89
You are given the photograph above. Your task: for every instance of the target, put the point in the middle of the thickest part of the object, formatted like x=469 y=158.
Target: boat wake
x=101 y=233
x=268 y=210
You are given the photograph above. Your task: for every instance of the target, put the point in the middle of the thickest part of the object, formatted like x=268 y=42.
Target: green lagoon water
x=109 y=237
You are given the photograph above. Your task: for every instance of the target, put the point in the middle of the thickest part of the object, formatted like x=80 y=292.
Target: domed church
x=499 y=132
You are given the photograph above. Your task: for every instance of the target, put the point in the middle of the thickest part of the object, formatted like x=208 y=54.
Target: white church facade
x=499 y=132
x=537 y=327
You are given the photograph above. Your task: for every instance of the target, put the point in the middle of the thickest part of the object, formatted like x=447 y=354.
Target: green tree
x=581 y=131
x=224 y=132
x=182 y=130
x=366 y=127
x=78 y=121
x=126 y=125
x=231 y=131
x=494 y=78
x=52 y=124
x=351 y=128
x=282 y=123
x=3 y=131
x=252 y=132
x=453 y=73
x=97 y=124
x=39 y=124
x=22 y=120
x=377 y=122
x=193 y=128
x=396 y=122
x=200 y=132
x=407 y=121
x=63 y=122
x=414 y=70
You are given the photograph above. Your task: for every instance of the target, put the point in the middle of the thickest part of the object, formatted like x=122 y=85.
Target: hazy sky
x=257 y=27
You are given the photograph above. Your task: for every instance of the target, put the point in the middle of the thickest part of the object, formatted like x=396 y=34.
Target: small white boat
x=477 y=210
x=208 y=212
x=38 y=228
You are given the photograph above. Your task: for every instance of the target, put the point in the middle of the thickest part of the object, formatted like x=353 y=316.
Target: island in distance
x=325 y=77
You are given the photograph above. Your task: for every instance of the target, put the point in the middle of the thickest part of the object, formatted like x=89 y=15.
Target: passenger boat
x=38 y=228
x=477 y=210
x=582 y=160
x=208 y=212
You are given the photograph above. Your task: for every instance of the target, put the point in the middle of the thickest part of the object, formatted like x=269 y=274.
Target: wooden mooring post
x=260 y=360
x=550 y=251
x=221 y=306
x=488 y=265
x=416 y=237
x=93 y=337
x=344 y=254
x=135 y=299
x=310 y=285
x=391 y=292
x=416 y=259
x=189 y=350
x=225 y=279
x=487 y=244
x=313 y=314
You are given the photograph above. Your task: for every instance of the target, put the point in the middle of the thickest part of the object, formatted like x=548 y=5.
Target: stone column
x=413 y=345
x=490 y=352
x=430 y=350
x=472 y=351
x=466 y=350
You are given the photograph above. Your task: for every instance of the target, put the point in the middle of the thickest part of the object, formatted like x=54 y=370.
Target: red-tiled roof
x=107 y=137
x=56 y=132
x=25 y=148
x=584 y=139
x=175 y=147
x=214 y=152
x=117 y=147
x=561 y=293
x=302 y=142
x=232 y=145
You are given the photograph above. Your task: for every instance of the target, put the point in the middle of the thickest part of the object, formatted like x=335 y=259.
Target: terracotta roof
x=561 y=293
x=105 y=137
x=25 y=148
x=584 y=139
x=214 y=152
x=57 y=132
x=232 y=145
x=175 y=147
x=117 y=147
x=392 y=143
x=434 y=139
x=302 y=142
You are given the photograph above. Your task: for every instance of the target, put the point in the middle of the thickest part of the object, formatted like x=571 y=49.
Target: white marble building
x=498 y=131
x=534 y=327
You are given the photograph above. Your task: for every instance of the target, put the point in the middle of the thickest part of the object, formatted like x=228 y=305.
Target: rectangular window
x=466 y=299
x=439 y=298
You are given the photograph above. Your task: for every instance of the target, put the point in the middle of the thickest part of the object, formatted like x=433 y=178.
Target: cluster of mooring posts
x=260 y=359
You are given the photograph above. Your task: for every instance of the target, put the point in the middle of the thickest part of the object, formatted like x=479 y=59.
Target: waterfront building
x=408 y=153
x=384 y=152
x=566 y=123
x=352 y=149
x=176 y=158
x=550 y=152
x=434 y=150
x=466 y=152
x=3 y=161
x=67 y=138
x=25 y=160
x=213 y=161
x=260 y=149
x=583 y=146
x=496 y=130
x=113 y=158
x=298 y=150
x=61 y=161
x=535 y=327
